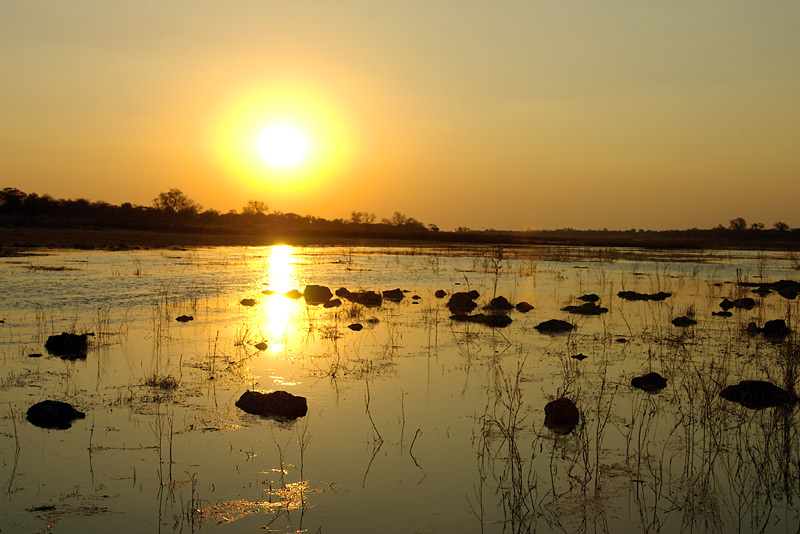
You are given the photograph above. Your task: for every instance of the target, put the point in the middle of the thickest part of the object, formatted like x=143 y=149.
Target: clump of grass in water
x=166 y=382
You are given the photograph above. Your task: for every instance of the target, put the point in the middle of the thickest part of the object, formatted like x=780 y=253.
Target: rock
x=587 y=308
x=342 y=292
x=53 y=414
x=494 y=320
x=752 y=328
x=762 y=291
x=393 y=295
x=335 y=303
x=68 y=345
x=683 y=321
x=650 y=382
x=416 y=297
x=248 y=302
x=184 y=318
x=757 y=394
x=355 y=327
x=34 y=355
x=790 y=294
x=315 y=294
x=722 y=314
x=633 y=295
x=621 y=340
x=745 y=303
x=462 y=301
x=293 y=294
x=591 y=297
x=776 y=328
x=370 y=299
x=440 y=293
x=554 y=326
x=275 y=404
x=500 y=304
x=267 y=292
x=561 y=416
x=261 y=346
x=726 y=304
x=579 y=357
x=523 y=307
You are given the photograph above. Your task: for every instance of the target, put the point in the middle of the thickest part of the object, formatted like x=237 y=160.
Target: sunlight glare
x=283 y=145
x=280 y=276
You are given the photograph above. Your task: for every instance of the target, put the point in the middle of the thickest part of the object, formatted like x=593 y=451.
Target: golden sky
x=508 y=115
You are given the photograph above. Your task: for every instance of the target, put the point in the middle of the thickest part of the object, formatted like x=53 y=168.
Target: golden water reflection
x=280 y=275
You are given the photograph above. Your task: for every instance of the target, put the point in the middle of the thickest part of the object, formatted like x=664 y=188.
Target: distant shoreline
x=14 y=240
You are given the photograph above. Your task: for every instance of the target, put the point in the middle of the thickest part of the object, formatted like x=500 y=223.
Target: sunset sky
x=507 y=115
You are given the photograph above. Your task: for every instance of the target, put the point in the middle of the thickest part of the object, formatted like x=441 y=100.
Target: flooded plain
x=416 y=422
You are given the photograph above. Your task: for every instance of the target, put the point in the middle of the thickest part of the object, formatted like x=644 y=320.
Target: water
x=416 y=423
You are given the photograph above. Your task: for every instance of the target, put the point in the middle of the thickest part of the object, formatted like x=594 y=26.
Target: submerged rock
x=462 y=302
x=293 y=294
x=633 y=295
x=683 y=321
x=68 y=345
x=580 y=357
x=722 y=314
x=370 y=299
x=523 y=307
x=726 y=304
x=334 y=303
x=440 y=293
x=745 y=303
x=591 y=297
x=355 y=327
x=650 y=382
x=587 y=308
x=500 y=304
x=561 y=416
x=494 y=320
x=342 y=292
x=775 y=328
x=275 y=404
x=393 y=295
x=758 y=394
x=184 y=318
x=315 y=294
x=554 y=326
x=261 y=346
x=248 y=302
x=53 y=414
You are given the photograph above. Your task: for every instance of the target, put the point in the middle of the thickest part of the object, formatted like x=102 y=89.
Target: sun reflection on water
x=279 y=277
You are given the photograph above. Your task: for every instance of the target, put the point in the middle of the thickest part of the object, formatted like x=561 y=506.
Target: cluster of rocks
x=587 y=308
x=633 y=295
x=775 y=328
x=788 y=289
x=758 y=394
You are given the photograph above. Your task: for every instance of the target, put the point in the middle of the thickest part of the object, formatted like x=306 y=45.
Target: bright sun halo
x=283 y=145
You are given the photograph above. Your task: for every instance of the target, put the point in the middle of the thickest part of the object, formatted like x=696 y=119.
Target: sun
x=283 y=145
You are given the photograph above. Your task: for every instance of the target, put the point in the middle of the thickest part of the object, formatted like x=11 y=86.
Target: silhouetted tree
x=737 y=224
x=781 y=226
x=175 y=201
x=362 y=217
x=254 y=207
x=757 y=226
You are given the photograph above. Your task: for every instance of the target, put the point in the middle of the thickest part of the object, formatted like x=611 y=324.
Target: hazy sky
x=508 y=115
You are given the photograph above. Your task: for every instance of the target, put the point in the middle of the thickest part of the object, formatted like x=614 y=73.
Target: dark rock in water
x=462 y=302
x=335 y=303
x=561 y=416
x=523 y=307
x=762 y=291
x=554 y=326
x=68 y=345
x=34 y=355
x=494 y=320
x=53 y=414
x=369 y=299
x=315 y=294
x=621 y=340
x=342 y=292
x=722 y=314
x=633 y=295
x=267 y=292
x=184 y=318
x=261 y=346
x=416 y=297
x=591 y=297
x=355 y=327
x=726 y=304
x=587 y=308
x=580 y=357
x=293 y=294
x=248 y=302
x=745 y=303
x=649 y=382
x=757 y=394
x=776 y=328
x=752 y=328
x=275 y=404
x=500 y=304
x=393 y=295
x=790 y=294
x=440 y=293
x=683 y=321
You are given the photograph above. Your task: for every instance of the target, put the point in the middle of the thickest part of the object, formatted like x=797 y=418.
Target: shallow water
x=416 y=423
